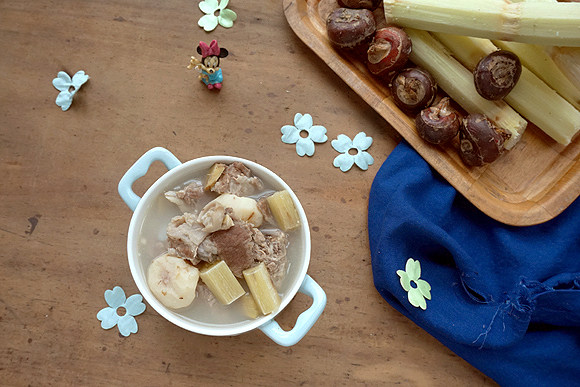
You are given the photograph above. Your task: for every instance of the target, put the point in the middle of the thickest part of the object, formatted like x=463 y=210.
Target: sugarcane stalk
x=568 y=61
x=531 y=96
x=537 y=60
x=527 y=22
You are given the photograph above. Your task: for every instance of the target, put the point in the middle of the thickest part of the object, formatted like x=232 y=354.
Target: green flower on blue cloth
x=68 y=87
x=110 y=316
x=360 y=144
x=418 y=290
x=291 y=134
x=225 y=17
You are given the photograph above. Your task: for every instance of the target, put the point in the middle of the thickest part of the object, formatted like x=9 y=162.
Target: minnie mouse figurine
x=211 y=74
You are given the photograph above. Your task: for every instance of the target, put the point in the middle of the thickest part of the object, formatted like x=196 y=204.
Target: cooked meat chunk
x=275 y=260
x=237 y=179
x=185 y=234
x=236 y=246
x=215 y=217
x=264 y=208
x=243 y=246
x=186 y=198
x=191 y=193
x=207 y=250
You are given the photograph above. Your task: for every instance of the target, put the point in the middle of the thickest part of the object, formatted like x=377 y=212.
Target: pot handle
x=304 y=322
x=139 y=169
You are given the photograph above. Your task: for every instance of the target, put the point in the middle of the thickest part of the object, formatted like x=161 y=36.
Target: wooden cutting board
x=530 y=184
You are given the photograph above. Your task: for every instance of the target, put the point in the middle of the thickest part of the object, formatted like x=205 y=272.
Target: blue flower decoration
x=361 y=143
x=304 y=145
x=133 y=306
x=68 y=87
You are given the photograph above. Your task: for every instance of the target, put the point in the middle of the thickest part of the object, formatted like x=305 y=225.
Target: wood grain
x=530 y=184
x=63 y=227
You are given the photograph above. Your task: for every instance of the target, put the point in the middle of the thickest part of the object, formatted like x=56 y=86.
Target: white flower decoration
x=68 y=87
x=304 y=145
x=416 y=288
x=361 y=143
x=209 y=21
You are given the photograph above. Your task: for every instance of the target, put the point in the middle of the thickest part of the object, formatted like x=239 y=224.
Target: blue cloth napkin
x=504 y=298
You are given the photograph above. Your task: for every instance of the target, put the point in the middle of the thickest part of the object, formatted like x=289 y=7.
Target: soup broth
x=153 y=242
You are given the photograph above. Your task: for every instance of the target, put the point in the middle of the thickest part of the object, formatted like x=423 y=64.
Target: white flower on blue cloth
x=68 y=87
x=360 y=144
x=209 y=21
x=291 y=134
x=110 y=317
x=418 y=290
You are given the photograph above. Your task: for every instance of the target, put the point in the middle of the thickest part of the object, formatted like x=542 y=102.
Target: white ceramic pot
x=146 y=240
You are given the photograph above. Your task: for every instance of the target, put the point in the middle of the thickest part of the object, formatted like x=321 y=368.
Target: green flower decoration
x=225 y=17
x=416 y=288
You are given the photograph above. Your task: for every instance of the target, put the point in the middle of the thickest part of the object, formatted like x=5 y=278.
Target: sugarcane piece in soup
x=262 y=289
x=284 y=211
x=221 y=282
x=250 y=307
x=214 y=174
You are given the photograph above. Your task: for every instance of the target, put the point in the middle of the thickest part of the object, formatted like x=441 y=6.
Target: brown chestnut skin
x=413 y=89
x=368 y=4
x=438 y=124
x=347 y=28
x=389 y=50
x=497 y=74
x=480 y=141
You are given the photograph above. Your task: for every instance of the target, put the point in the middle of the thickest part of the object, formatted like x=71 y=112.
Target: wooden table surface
x=63 y=227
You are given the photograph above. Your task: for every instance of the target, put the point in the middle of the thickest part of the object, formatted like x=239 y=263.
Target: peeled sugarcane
x=214 y=174
x=531 y=97
x=538 y=60
x=530 y=22
x=568 y=60
x=221 y=282
x=457 y=82
x=284 y=211
x=262 y=289
x=250 y=307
